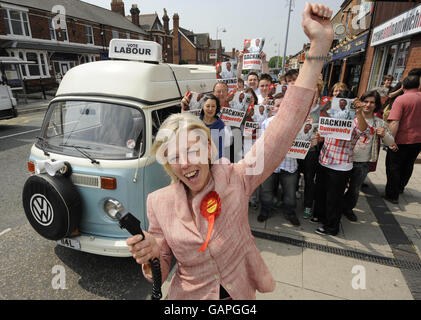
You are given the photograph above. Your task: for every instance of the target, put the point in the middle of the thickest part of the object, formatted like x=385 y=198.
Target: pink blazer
x=231 y=258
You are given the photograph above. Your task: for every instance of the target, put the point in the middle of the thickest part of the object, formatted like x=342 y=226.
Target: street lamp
x=217 y=30
x=286 y=38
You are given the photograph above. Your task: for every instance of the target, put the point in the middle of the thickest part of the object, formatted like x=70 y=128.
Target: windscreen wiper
x=78 y=148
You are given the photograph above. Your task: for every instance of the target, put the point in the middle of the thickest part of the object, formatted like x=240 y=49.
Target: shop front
x=347 y=61
x=396 y=42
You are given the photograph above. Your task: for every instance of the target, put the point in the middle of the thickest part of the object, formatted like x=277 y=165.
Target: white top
x=228 y=74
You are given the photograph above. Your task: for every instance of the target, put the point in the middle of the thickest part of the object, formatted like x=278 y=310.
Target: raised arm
x=270 y=149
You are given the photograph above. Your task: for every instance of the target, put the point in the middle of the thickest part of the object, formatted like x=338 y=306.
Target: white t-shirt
x=228 y=74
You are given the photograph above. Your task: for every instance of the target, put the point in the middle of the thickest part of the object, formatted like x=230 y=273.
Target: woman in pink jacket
x=201 y=219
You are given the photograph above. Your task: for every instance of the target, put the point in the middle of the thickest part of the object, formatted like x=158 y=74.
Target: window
x=389 y=60
x=127 y=35
x=52 y=31
x=101 y=129
x=159 y=116
x=16 y=22
x=34 y=69
x=43 y=65
x=64 y=34
x=89 y=35
x=115 y=34
x=39 y=69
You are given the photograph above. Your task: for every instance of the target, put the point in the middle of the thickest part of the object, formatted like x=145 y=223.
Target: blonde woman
x=201 y=219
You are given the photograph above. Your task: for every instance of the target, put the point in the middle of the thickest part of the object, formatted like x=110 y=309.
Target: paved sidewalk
x=386 y=242
x=33 y=105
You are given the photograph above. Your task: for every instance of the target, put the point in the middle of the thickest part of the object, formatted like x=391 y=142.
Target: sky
x=241 y=19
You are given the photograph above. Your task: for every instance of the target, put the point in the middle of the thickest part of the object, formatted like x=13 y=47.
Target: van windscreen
x=102 y=130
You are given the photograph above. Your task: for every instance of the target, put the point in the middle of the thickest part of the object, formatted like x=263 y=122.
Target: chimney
x=176 y=57
x=166 y=20
x=118 y=6
x=134 y=11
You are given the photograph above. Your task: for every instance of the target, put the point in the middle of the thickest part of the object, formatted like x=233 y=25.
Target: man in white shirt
x=287 y=175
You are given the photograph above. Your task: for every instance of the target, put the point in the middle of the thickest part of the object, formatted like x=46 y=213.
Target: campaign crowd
x=333 y=170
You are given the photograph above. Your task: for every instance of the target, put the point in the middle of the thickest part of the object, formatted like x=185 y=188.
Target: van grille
x=86 y=180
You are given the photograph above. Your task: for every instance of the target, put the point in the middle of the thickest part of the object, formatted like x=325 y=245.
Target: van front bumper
x=101 y=246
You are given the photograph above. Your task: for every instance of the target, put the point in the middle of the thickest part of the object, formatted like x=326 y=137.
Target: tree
x=272 y=62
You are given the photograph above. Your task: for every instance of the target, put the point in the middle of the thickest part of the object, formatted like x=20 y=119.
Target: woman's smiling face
x=210 y=108
x=190 y=164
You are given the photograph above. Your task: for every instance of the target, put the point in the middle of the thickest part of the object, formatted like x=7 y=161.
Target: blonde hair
x=340 y=86
x=170 y=129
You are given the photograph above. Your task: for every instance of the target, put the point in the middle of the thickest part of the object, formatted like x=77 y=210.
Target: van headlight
x=113 y=208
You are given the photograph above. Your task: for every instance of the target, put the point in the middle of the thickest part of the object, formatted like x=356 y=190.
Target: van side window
x=166 y=112
x=159 y=116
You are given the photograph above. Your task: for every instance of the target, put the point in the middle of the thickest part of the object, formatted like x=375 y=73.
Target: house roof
x=202 y=40
x=147 y=20
x=82 y=10
x=215 y=44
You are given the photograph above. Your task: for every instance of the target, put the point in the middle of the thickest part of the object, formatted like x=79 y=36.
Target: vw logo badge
x=41 y=209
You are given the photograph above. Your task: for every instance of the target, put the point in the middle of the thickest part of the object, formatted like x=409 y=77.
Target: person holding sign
x=209 y=117
x=286 y=174
x=264 y=84
x=201 y=219
x=336 y=163
x=366 y=150
x=264 y=66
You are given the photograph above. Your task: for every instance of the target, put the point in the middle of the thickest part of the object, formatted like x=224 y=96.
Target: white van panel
x=147 y=82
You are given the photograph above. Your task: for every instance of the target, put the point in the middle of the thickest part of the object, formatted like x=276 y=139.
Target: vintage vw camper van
x=93 y=152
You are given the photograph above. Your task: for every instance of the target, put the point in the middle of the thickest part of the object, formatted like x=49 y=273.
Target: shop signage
x=350 y=48
x=401 y=26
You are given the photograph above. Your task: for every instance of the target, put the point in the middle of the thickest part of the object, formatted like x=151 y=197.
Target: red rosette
x=210 y=208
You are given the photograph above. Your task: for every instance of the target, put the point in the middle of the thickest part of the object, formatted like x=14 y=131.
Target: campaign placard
x=227 y=70
x=299 y=149
x=195 y=112
x=241 y=101
x=253 y=45
x=281 y=88
x=342 y=109
x=252 y=59
x=231 y=83
x=196 y=101
x=232 y=117
x=250 y=128
x=335 y=128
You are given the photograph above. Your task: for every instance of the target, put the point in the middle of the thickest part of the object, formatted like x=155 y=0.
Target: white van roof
x=149 y=83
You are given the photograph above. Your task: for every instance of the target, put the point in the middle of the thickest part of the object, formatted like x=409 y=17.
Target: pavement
x=377 y=257
x=33 y=105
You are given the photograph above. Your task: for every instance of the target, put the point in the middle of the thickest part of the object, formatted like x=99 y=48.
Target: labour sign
x=135 y=50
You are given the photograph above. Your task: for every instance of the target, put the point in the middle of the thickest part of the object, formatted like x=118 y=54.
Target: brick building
x=190 y=47
x=351 y=25
x=157 y=31
x=58 y=35
x=394 y=43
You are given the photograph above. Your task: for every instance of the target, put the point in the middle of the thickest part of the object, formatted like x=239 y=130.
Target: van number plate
x=69 y=243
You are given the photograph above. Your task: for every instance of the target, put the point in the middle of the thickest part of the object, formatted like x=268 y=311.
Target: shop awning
x=352 y=47
x=65 y=48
